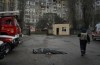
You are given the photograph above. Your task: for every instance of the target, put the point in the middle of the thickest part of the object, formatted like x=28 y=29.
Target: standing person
x=84 y=39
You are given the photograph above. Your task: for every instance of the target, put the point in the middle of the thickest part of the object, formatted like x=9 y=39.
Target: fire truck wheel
x=7 y=49
x=2 y=56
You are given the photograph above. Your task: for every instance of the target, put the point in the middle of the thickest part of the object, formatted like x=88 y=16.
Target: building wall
x=32 y=12
x=57 y=7
x=97 y=11
x=15 y=4
x=1 y=5
x=97 y=6
x=29 y=12
x=63 y=29
x=10 y=5
x=42 y=7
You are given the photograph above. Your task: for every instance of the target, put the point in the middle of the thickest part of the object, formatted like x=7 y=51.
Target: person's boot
x=82 y=52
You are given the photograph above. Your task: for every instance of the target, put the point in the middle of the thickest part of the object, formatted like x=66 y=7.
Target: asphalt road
x=22 y=55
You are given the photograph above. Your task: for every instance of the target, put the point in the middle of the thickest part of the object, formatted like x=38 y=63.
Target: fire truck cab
x=9 y=25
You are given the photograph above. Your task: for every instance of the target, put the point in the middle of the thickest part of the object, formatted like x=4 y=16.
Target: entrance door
x=57 y=31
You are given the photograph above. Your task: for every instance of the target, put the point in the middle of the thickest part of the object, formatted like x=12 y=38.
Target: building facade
x=61 y=29
x=8 y=5
x=55 y=6
x=1 y=5
x=97 y=11
x=36 y=9
x=32 y=12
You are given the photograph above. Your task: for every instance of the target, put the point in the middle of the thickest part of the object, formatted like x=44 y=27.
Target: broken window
x=64 y=29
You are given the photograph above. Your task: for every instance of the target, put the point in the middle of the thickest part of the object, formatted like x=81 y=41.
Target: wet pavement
x=23 y=54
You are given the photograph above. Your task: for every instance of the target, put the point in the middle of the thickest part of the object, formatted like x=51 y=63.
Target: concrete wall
x=63 y=29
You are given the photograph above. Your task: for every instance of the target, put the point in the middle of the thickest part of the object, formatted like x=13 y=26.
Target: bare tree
x=87 y=11
x=21 y=9
x=71 y=17
x=87 y=8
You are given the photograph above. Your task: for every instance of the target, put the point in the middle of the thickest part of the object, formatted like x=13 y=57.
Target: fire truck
x=96 y=32
x=2 y=50
x=10 y=32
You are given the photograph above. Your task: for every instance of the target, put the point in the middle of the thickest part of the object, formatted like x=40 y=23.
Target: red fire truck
x=10 y=30
x=96 y=32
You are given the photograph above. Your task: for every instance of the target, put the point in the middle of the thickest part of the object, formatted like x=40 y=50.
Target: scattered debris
x=47 y=51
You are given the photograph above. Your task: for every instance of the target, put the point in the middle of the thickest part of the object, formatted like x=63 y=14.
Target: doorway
x=57 y=31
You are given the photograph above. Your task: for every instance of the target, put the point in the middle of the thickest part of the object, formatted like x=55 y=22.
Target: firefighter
x=84 y=39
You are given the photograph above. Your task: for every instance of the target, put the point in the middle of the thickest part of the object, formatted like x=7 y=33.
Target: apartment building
x=62 y=9
x=29 y=11
x=14 y=4
x=35 y=9
x=1 y=5
x=9 y=5
x=54 y=6
x=97 y=5
x=32 y=12
x=97 y=11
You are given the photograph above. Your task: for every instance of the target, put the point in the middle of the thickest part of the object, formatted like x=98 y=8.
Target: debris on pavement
x=47 y=51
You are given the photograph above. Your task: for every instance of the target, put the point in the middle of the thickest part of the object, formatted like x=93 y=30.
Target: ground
x=22 y=55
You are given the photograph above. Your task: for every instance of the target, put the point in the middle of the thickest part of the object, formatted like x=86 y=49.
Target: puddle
x=47 y=51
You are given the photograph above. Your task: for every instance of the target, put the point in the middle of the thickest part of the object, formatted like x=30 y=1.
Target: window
x=64 y=29
x=7 y=22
